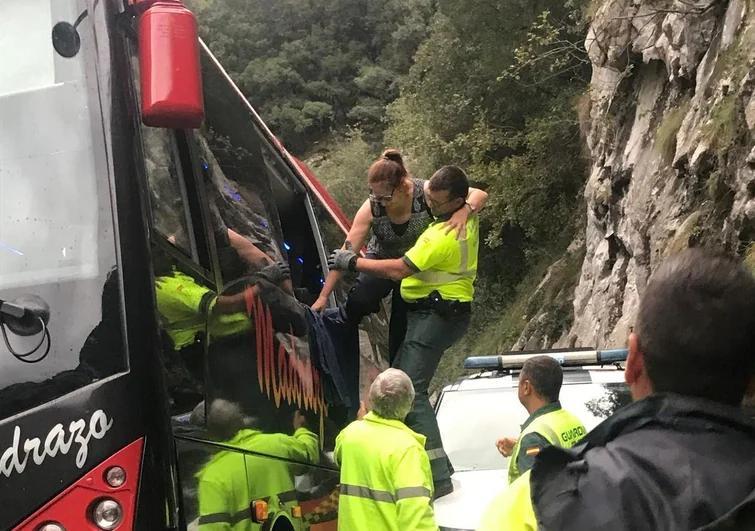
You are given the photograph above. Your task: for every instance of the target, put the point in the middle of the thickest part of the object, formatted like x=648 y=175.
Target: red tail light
x=74 y=509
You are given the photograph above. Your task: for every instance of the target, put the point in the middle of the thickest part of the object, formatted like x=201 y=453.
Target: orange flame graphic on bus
x=285 y=376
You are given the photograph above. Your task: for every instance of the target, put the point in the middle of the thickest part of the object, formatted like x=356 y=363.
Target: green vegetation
x=749 y=257
x=733 y=61
x=684 y=234
x=665 y=136
x=727 y=123
x=311 y=67
x=503 y=331
x=495 y=86
x=344 y=169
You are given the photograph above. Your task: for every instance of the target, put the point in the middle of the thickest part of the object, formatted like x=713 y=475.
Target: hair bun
x=393 y=155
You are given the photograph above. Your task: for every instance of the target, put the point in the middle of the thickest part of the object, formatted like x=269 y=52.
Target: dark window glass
x=56 y=221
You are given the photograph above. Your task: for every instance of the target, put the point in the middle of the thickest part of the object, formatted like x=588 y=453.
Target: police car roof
x=506 y=380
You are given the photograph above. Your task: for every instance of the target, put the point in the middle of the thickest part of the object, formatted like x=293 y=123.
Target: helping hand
x=343 y=259
x=320 y=304
x=276 y=273
x=458 y=222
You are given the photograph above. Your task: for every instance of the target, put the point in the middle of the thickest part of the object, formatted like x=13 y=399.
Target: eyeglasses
x=429 y=199
x=382 y=198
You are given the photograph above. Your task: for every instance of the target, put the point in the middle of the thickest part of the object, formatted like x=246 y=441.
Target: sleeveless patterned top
x=390 y=240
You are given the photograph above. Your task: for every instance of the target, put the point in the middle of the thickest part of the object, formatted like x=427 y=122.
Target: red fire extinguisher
x=171 y=76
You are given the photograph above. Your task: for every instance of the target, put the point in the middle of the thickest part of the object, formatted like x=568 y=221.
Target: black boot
x=442 y=488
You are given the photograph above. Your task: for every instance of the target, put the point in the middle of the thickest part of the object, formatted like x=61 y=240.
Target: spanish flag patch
x=532 y=451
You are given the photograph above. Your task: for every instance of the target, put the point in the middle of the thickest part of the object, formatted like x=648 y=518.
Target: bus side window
x=166 y=192
x=165 y=182
x=244 y=220
x=180 y=292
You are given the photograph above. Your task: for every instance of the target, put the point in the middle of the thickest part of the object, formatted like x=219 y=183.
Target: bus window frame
x=319 y=242
x=203 y=262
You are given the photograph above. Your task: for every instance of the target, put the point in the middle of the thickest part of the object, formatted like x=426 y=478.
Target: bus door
x=251 y=414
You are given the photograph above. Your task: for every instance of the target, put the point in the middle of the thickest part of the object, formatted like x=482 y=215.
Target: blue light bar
x=567 y=358
x=482 y=362
x=301 y=260
x=614 y=355
x=286 y=246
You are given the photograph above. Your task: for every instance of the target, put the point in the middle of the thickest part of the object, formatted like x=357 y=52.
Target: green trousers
x=428 y=336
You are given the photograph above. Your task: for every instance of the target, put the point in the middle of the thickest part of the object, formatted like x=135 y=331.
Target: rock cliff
x=669 y=129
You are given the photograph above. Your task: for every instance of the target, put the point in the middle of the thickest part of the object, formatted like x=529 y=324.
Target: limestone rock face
x=671 y=145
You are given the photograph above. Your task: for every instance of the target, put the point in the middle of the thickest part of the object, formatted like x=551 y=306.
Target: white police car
x=476 y=410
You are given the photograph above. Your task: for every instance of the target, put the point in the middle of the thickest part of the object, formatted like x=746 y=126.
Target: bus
x=159 y=369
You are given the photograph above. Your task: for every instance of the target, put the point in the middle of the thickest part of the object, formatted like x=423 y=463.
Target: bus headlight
x=107 y=514
x=51 y=526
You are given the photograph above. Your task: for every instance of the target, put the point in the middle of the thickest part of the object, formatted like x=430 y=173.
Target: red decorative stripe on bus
x=288 y=378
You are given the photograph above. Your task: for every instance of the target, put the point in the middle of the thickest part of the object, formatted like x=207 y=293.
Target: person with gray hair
x=386 y=482
x=392 y=395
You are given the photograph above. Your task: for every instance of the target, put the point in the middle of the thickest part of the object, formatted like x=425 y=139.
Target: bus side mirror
x=171 y=76
x=25 y=316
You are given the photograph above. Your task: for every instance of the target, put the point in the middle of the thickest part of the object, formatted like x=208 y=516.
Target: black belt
x=442 y=306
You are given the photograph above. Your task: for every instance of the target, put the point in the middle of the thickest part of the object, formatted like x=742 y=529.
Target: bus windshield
x=56 y=221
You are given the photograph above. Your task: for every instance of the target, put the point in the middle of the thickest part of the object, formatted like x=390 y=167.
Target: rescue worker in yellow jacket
x=231 y=480
x=437 y=283
x=386 y=483
x=511 y=509
x=539 y=387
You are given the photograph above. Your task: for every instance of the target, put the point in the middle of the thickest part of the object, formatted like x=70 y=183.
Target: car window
x=471 y=421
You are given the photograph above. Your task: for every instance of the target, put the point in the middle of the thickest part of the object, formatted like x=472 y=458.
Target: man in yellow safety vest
x=437 y=282
x=386 y=483
x=539 y=388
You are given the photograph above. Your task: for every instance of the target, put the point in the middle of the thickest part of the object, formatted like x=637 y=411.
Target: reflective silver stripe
x=385 y=496
x=413 y=492
x=443 y=277
x=436 y=453
x=464 y=247
x=288 y=496
x=225 y=518
x=366 y=492
x=547 y=432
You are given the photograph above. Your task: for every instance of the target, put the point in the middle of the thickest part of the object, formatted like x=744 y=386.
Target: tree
x=313 y=67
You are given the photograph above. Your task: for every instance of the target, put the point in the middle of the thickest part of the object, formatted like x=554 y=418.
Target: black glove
x=276 y=273
x=343 y=259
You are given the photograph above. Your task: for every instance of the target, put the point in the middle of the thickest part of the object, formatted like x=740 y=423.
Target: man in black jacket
x=682 y=456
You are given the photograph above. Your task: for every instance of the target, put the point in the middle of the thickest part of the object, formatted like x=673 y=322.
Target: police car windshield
x=470 y=421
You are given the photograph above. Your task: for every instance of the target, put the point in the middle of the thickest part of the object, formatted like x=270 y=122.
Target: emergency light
x=171 y=76
x=566 y=357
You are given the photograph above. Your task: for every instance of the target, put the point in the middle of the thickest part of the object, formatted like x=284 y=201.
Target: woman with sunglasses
x=396 y=213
